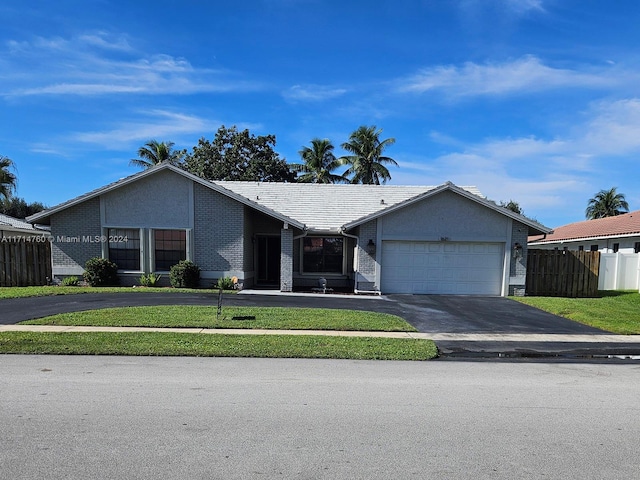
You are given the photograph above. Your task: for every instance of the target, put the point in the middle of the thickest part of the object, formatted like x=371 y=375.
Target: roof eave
x=583 y=239
x=534 y=227
x=46 y=214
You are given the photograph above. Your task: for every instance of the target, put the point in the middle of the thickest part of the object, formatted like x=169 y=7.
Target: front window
x=170 y=248
x=124 y=248
x=322 y=254
x=594 y=248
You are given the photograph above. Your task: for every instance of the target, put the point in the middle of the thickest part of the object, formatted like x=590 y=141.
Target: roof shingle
x=620 y=225
x=327 y=206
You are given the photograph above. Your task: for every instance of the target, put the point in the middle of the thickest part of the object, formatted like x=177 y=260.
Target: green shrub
x=184 y=274
x=225 y=283
x=100 y=272
x=150 y=280
x=71 y=281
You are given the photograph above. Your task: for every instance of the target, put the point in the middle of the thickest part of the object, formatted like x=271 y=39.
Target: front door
x=268 y=259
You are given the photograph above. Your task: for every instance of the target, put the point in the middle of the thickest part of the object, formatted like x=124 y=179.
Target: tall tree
x=238 y=155
x=606 y=203
x=154 y=152
x=367 y=162
x=8 y=180
x=319 y=162
x=17 y=207
x=513 y=206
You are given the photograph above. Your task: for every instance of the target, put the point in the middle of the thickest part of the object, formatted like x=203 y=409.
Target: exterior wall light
x=371 y=247
x=517 y=250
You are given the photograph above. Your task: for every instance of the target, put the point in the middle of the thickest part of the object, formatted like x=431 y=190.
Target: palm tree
x=8 y=180
x=606 y=203
x=367 y=164
x=319 y=162
x=154 y=153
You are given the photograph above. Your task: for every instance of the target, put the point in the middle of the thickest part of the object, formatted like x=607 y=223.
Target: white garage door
x=442 y=267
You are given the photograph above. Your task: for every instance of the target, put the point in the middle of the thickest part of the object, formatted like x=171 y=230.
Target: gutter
x=356 y=261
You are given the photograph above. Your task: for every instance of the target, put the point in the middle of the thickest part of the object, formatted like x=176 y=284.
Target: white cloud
x=517 y=8
x=162 y=125
x=548 y=177
x=154 y=124
x=99 y=64
x=312 y=93
x=614 y=128
x=527 y=74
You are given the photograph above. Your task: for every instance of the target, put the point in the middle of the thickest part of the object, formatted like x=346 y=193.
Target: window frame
x=341 y=272
x=118 y=232
x=153 y=246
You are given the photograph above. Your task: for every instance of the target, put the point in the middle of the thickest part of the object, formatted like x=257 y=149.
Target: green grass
x=205 y=317
x=185 y=344
x=614 y=311
x=21 y=292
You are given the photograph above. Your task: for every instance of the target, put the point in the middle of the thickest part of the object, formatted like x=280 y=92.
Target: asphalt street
x=237 y=418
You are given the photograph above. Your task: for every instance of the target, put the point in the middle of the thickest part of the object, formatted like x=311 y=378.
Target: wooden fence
x=24 y=263
x=562 y=273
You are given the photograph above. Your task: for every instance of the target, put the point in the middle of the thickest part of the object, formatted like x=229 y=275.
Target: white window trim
x=105 y=246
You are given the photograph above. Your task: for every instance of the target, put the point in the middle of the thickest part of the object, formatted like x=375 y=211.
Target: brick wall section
x=367 y=261
x=519 y=234
x=82 y=220
x=218 y=231
x=286 y=260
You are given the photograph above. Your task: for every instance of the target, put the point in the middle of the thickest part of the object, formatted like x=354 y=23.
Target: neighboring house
x=367 y=238
x=16 y=228
x=606 y=235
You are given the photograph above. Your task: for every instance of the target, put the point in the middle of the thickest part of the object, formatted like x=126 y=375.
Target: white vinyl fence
x=619 y=271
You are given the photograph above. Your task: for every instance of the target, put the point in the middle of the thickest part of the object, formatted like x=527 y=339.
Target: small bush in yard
x=225 y=283
x=72 y=281
x=149 y=280
x=100 y=272
x=184 y=274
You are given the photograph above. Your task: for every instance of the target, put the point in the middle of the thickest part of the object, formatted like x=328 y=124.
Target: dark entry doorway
x=268 y=259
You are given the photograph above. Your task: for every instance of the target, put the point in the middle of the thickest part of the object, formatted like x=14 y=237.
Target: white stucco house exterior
x=605 y=235
x=441 y=239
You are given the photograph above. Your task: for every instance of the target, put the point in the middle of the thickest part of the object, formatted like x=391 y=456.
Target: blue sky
x=532 y=100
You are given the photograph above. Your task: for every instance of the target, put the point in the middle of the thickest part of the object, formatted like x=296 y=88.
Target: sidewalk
x=462 y=337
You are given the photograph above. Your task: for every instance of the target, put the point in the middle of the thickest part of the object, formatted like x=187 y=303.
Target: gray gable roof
x=328 y=207
x=7 y=222
x=314 y=207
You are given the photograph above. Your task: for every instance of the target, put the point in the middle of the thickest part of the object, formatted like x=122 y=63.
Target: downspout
x=356 y=258
x=305 y=232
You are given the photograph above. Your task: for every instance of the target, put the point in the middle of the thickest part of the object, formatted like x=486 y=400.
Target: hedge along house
x=365 y=238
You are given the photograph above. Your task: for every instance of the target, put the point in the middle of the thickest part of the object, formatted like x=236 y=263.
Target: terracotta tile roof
x=620 y=225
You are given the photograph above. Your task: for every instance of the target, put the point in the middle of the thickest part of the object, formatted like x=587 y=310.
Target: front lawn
x=614 y=311
x=194 y=344
x=190 y=344
x=206 y=317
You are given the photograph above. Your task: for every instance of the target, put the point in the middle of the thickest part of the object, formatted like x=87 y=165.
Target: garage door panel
x=442 y=267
